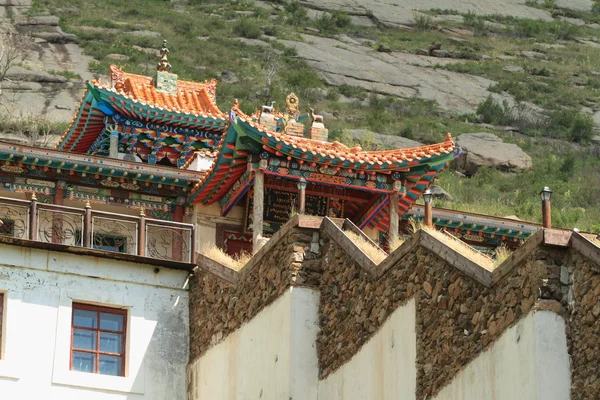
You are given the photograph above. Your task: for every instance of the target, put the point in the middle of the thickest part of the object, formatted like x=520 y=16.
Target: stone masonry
x=459 y=313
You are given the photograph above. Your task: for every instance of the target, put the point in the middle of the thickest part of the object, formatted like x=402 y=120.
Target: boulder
x=513 y=68
x=488 y=150
x=377 y=141
x=229 y=77
x=439 y=193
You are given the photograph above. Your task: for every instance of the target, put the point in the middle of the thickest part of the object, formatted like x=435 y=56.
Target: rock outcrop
x=396 y=74
x=48 y=78
x=488 y=150
x=377 y=141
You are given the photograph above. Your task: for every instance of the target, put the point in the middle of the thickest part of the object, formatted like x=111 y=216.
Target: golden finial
x=448 y=137
x=142 y=212
x=87 y=204
x=33 y=197
x=163 y=64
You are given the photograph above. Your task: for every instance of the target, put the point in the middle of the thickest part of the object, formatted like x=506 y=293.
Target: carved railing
x=126 y=234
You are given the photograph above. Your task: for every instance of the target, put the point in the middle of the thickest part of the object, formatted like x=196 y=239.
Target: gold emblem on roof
x=163 y=64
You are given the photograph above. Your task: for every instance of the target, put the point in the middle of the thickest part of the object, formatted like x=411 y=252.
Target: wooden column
x=428 y=217
x=33 y=218
x=57 y=219
x=142 y=234
x=546 y=214
x=393 y=234
x=177 y=246
x=258 y=209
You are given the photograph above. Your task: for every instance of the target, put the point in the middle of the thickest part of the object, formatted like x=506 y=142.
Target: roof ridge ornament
x=164 y=65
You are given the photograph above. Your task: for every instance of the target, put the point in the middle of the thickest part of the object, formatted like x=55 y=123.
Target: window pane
x=85 y=318
x=110 y=342
x=84 y=362
x=83 y=339
x=112 y=322
x=111 y=365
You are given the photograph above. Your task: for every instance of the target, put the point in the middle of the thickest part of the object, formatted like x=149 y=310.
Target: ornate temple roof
x=191 y=106
x=299 y=157
x=196 y=98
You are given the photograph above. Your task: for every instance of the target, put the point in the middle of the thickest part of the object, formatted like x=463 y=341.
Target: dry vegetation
x=374 y=253
x=463 y=248
x=218 y=255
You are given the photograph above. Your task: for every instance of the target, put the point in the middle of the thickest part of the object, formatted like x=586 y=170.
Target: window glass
x=84 y=362
x=110 y=365
x=85 y=318
x=110 y=342
x=111 y=322
x=83 y=339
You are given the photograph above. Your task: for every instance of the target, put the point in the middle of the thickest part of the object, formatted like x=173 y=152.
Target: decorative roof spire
x=163 y=64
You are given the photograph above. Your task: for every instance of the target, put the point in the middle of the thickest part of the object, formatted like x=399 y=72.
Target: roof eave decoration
x=337 y=155
x=15 y=157
x=192 y=106
x=355 y=168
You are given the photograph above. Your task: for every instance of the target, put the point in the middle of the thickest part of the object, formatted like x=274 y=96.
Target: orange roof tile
x=191 y=97
x=355 y=154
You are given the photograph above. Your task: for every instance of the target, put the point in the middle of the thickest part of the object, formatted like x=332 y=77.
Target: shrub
x=330 y=23
x=246 y=28
x=529 y=27
x=565 y=31
x=492 y=112
x=353 y=91
x=422 y=22
x=340 y=19
x=571 y=124
x=297 y=13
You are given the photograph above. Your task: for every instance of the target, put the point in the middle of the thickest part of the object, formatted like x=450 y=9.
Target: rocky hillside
x=519 y=81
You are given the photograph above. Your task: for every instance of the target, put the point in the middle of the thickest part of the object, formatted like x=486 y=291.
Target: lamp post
x=545 y=195
x=302 y=190
x=428 y=197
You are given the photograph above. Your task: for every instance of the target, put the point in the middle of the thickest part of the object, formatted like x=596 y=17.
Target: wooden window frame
x=97 y=352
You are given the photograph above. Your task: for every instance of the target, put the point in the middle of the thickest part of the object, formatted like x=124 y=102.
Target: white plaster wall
x=272 y=357
x=528 y=362
x=384 y=368
x=39 y=288
x=207 y=218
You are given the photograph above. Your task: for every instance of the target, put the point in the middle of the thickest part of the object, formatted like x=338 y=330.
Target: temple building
x=108 y=291
x=162 y=145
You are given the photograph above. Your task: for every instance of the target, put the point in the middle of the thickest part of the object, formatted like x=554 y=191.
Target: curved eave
x=226 y=169
x=88 y=122
x=338 y=156
x=415 y=186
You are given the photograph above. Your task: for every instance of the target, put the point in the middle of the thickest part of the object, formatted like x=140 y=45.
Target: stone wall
x=457 y=317
x=584 y=329
x=458 y=314
x=218 y=307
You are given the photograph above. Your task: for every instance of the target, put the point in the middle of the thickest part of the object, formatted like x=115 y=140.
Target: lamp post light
x=545 y=195
x=428 y=197
x=302 y=190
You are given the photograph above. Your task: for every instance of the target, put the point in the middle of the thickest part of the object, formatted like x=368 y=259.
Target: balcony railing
x=99 y=230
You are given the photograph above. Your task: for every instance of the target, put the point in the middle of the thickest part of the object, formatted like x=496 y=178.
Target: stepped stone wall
x=584 y=332
x=459 y=314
